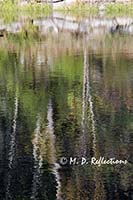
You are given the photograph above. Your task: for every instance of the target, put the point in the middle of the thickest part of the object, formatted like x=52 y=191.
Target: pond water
x=65 y=93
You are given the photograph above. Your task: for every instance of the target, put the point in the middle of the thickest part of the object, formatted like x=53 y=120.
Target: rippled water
x=65 y=94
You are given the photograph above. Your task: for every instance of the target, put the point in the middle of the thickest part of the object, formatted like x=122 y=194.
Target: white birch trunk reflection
x=44 y=148
x=13 y=134
x=11 y=154
x=99 y=192
x=87 y=101
x=56 y=166
x=38 y=159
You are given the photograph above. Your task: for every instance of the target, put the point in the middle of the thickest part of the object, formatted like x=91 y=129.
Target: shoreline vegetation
x=73 y=8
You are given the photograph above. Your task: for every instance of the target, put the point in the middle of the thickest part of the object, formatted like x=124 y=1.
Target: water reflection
x=87 y=95
x=37 y=160
x=12 y=144
x=66 y=94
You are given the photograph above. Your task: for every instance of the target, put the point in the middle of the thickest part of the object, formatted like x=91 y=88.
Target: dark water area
x=65 y=94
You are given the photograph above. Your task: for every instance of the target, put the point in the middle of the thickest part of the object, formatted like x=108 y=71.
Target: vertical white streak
x=56 y=166
x=84 y=104
x=38 y=159
x=36 y=138
x=46 y=138
x=13 y=134
x=12 y=144
x=87 y=99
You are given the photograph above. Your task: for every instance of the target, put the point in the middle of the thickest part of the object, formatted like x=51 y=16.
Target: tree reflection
x=65 y=98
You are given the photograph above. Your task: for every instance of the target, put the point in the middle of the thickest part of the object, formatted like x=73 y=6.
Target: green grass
x=79 y=8
x=112 y=9
x=119 y=8
x=10 y=10
x=36 y=8
x=9 y=6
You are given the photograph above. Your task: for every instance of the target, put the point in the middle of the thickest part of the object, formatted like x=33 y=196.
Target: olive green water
x=65 y=95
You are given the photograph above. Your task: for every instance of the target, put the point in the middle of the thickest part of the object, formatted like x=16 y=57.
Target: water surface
x=65 y=92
